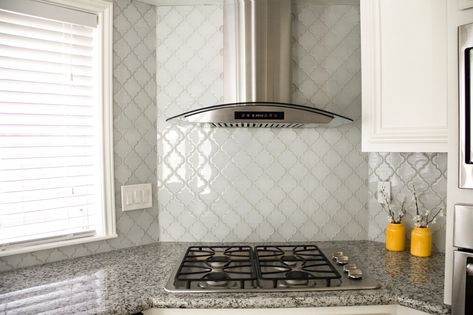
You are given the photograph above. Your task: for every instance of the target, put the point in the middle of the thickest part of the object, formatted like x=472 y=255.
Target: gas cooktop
x=265 y=268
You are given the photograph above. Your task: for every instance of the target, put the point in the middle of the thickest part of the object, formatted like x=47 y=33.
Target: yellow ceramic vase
x=421 y=242
x=396 y=237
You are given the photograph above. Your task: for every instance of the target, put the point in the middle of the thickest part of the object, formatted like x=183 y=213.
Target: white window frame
x=104 y=11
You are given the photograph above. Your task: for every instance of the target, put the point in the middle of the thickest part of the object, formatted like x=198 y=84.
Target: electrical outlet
x=136 y=197
x=386 y=186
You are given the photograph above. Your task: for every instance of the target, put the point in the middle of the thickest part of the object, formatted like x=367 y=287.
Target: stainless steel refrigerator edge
x=462 y=302
x=465 y=60
x=462 y=295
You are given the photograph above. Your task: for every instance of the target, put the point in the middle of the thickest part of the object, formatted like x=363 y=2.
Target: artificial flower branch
x=423 y=220
x=391 y=213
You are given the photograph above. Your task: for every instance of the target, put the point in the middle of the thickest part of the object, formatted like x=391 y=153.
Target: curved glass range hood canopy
x=257 y=72
x=262 y=115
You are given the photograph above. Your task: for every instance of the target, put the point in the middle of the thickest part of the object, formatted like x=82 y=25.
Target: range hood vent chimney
x=257 y=72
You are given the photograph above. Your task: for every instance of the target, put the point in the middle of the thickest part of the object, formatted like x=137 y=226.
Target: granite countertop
x=131 y=280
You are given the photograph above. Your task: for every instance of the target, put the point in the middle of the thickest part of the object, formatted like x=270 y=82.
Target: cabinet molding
x=387 y=56
x=465 y=4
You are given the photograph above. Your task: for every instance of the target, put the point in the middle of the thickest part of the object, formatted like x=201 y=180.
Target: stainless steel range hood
x=257 y=72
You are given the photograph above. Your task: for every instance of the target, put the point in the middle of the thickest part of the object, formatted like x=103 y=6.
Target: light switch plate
x=387 y=190
x=136 y=197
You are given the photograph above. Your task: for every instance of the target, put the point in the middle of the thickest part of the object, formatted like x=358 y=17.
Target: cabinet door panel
x=404 y=68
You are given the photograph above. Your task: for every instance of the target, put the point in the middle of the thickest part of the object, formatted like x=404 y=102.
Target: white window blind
x=50 y=130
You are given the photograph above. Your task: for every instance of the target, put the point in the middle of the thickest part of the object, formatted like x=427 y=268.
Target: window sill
x=34 y=248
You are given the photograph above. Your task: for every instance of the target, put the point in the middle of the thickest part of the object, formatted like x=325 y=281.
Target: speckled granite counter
x=132 y=280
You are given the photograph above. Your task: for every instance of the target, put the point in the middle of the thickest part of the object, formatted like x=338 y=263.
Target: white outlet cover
x=387 y=190
x=136 y=197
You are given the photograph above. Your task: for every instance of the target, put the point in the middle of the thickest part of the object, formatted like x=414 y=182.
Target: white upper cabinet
x=404 y=75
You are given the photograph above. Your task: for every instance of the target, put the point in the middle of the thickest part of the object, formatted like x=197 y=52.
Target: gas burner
x=267 y=268
x=215 y=279
x=197 y=254
x=290 y=260
x=218 y=262
x=208 y=267
x=306 y=263
x=236 y=253
x=297 y=278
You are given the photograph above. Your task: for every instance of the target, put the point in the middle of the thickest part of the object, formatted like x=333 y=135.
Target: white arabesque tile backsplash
x=260 y=184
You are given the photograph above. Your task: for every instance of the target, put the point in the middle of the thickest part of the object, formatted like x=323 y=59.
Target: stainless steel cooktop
x=266 y=268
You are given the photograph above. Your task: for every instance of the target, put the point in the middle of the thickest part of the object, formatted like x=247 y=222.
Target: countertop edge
x=301 y=302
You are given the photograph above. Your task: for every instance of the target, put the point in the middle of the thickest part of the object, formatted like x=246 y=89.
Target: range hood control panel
x=239 y=115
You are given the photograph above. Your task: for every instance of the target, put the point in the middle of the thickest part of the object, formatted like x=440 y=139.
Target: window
x=56 y=170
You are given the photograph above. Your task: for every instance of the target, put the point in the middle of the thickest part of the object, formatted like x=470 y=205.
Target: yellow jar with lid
x=421 y=242
x=395 y=237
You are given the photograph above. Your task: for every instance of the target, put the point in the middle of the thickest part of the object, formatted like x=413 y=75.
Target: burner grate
x=295 y=265
x=217 y=267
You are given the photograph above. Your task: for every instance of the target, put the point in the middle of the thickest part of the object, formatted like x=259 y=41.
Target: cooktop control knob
x=349 y=267
x=355 y=274
x=343 y=260
x=340 y=258
x=336 y=255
